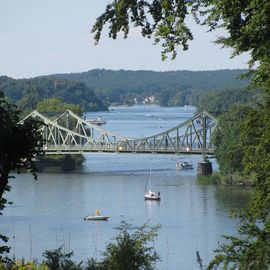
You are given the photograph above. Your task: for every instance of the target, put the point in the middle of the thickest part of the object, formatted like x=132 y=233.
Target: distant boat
x=184 y=165
x=96 y=216
x=148 y=194
x=98 y=121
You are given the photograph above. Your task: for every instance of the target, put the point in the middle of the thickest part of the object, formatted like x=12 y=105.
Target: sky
x=41 y=37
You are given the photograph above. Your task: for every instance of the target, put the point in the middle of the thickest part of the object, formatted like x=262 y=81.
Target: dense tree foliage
x=251 y=249
x=228 y=146
x=131 y=250
x=218 y=102
x=57 y=259
x=28 y=92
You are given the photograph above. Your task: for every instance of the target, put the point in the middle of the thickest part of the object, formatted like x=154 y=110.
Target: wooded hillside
x=211 y=90
x=26 y=93
x=170 y=88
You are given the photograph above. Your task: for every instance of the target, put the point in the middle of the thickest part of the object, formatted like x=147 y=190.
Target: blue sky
x=40 y=37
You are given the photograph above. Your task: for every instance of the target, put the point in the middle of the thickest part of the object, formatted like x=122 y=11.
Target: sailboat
x=148 y=194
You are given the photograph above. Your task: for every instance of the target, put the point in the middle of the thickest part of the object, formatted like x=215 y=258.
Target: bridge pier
x=204 y=168
x=68 y=164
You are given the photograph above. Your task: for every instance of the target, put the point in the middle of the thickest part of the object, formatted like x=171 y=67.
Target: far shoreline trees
x=125 y=87
x=26 y=93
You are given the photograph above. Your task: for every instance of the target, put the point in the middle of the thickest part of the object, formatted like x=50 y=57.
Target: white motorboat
x=151 y=195
x=95 y=217
x=184 y=165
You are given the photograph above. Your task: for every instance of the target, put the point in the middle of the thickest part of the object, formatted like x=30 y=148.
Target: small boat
x=184 y=165
x=96 y=216
x=98 y=121
x=151 y=195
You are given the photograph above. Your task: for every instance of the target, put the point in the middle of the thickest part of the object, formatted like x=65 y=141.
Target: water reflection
x=229 y=198
x=151 y=208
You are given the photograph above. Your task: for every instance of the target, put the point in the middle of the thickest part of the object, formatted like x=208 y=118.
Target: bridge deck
x=56 y=151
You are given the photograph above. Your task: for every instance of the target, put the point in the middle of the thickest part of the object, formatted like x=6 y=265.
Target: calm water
x=49 y=212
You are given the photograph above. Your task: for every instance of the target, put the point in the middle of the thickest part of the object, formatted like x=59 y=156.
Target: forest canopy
x=170 y=88
x=26 y=93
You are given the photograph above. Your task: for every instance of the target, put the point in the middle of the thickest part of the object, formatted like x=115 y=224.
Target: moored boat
x=184 y=165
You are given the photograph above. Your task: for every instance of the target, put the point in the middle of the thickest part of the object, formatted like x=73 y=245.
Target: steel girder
x=192 y=136
x=70 y=133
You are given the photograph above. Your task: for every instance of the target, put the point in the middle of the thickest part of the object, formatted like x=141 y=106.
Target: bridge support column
x=68 y=164
x=204 y=168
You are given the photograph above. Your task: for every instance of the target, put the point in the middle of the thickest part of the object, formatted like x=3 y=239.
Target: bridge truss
x=70 y=134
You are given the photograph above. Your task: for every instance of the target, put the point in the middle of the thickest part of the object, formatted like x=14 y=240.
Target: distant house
x=149 y=100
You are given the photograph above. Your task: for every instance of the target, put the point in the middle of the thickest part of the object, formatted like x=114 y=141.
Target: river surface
x=49 y=212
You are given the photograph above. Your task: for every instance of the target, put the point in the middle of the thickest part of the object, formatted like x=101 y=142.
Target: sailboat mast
x=148 y=182
x=150 y=178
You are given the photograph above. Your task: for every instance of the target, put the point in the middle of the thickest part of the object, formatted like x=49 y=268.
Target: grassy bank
x=234 y=180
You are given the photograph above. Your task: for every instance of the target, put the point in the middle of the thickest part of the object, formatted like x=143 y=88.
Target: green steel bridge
x=70 y=134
